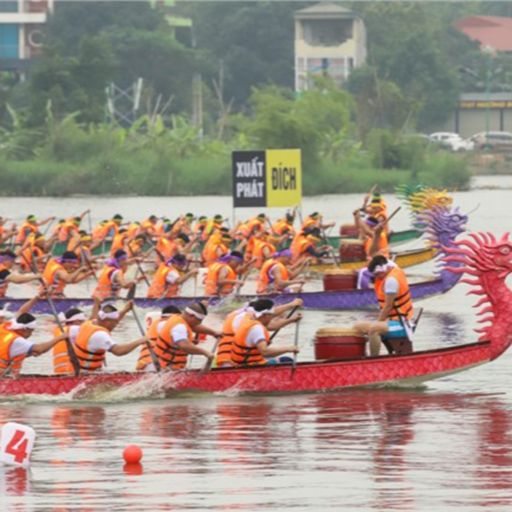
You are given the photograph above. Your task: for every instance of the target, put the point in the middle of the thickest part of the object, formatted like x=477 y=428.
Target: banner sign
x=267 y=178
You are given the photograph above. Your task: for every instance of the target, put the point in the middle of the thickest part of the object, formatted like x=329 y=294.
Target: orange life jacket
x=90 y=361
x=241 y=353
x=213 y=250
x=61 y=360
x=25 y=230
x=266 y=280
x=167 y=351
x=167 y=247
x=402 y=306
x=106 y=287
x=144 y=355
x=383 y=246
x=160 y=286
x=7 y=338
x=282 y=227
x=66 y=230
x=50 y=279
x=100 y=232
x=212 y=279
x=259 y=252
x=223 y=356
x=118 y=242
x=299 y=247
x=309 y=222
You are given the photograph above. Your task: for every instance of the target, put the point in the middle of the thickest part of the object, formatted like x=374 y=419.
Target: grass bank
x=146 y=172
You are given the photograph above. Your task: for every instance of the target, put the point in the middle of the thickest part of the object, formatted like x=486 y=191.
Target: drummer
x=396 y=308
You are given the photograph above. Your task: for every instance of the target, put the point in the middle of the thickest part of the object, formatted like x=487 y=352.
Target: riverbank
x=145 y=172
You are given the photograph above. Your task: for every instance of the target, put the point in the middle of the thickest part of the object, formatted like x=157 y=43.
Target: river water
x=446 y=446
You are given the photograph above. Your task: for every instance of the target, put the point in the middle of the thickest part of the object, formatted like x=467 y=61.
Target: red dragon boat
x=487 y=260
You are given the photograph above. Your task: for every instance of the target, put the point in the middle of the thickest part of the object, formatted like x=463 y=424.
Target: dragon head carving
x=488 y=261
x=442 y=226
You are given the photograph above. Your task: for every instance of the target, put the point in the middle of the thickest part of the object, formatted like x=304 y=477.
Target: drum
x=339 y=343
x=352 y=250
x=349 y=230
x=340 y=279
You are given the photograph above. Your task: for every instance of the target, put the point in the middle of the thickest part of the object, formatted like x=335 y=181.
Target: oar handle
x=69 y=346
x=154 y=357
x=208 y=365
x=384 y=222
x=289 y=315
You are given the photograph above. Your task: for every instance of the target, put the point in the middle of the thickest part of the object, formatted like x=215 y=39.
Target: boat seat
x=398 y=346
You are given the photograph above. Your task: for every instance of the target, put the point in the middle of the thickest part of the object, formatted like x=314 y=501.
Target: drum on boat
x=349 y=230
x=340 y=279
x=339 y=343
x=352 y=250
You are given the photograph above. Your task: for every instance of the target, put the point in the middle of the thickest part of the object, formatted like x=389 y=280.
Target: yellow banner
x=284 y=177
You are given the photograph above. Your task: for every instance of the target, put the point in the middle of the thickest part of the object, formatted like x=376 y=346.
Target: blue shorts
x=395 y=330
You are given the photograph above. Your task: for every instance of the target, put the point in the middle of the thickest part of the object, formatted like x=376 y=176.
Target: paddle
x=154 y=357
x=208 y=365
x=289 y=315
x=143 y=274
x=295 y=344
x=71 y=352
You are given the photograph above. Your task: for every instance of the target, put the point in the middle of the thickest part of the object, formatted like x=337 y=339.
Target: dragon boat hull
x=310 y=377
x=403 y=260
x=334 y=300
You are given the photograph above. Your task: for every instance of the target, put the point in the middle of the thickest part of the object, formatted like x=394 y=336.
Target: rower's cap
x=68 y=256
x=262 y=307
x=203 y=218
x=117 y=216
x=262 y=216
x=170 y=310
x=31 y=218
x=77 y=220
x=153 y=218
x=120 y=254
x=24 y=321
x=314 y=215
x=189 y=215
x=218 y=218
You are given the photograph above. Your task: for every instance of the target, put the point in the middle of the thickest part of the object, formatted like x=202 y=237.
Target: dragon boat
x=486 y=259
x=442 y=229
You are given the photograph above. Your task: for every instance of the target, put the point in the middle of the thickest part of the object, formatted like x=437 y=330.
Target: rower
x=306 y=245
x=7 y=259
x=222 y=275
x=112 y=278
x=62 y=271
x=252 y=345
x=119 y=241
x=217 y=246
x=15 y=345
x=176 y=339
x=315 y=221
x=284 y=227
x=71 y=321
x=232 y=323
x=396 y=309
x=6 y=234
x=169 y=277
x=33 y=252
x=276 y=276
x=94 y=338
x=263 y=249
x=30 y=226
x=373 y=234
x=145 y=362
x=70 y=227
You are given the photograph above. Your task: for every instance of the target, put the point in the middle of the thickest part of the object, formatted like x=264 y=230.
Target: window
x=9 y=41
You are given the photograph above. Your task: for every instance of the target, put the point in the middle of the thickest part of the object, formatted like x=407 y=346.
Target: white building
x=329 y=40
x=21 y=37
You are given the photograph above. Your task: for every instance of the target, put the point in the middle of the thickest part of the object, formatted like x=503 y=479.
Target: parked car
x=452 y=141
x=501 y=141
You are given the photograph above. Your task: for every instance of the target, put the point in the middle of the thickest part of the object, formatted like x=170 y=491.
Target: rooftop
x=325 y=10
x=492 y=31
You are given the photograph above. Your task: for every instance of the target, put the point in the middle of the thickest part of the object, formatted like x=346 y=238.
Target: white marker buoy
x=16 y=444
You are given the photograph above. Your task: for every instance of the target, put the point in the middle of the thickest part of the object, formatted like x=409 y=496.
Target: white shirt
x=73 y=332
x=20 y=347
x=178 y=332
x=391 y=285
x=255 y=335
x=101 y=340
x=172 y=277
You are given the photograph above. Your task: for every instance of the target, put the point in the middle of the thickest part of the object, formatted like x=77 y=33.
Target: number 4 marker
x=16 y=444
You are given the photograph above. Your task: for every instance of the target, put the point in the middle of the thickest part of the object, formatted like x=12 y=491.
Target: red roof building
x=490 y=31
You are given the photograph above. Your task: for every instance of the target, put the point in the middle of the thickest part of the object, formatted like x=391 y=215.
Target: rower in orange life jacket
x=30 y=226
x=200 y=226
x=169 y=277
x=68 y=229
x=216 y=247
x=6 y=233
x=111 y=227
x=252 y=345
x=275 y=275
x=149 y=225
x=62 y=271
x=222 y=276
x=112 y=277
x=144 y=361
x=119 y=241
x=284 y=226
x=315 y=221
x=304 y=245
x=71 y=321
x=396 y=309
x=373 y=236
x=33 y=252
x=94 y=339
x=263 y=249
x=176 y=337
x=7 y=276
x=15 y=345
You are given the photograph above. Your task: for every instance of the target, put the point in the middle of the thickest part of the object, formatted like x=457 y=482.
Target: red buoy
x=132 y=454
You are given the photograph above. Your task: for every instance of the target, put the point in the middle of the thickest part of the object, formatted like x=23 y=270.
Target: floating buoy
x=132 y=454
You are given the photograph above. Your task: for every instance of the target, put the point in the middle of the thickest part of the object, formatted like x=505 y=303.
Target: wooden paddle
x=289 y=315
x=154 y=357
x=71 y=351
x=295 y=344
x=208 y=365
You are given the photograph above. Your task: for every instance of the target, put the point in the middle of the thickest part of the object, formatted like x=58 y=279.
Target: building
x=329 y=40
x=493 y=32
x=21 y=37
